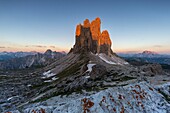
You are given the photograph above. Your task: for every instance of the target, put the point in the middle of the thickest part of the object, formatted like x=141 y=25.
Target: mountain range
x=21 y=60
x=145 y=54
x=9 y=55
x=148 y=57
x=91 y=78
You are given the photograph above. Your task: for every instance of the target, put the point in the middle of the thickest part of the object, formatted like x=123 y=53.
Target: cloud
x=2 y=47
x=157 y=46
x=52 y=46
x=39 y=46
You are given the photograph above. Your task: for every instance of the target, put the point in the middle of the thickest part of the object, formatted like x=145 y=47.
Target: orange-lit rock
x=105 y=43
x=105 y=38
x=95 y=29
x=90 y=39
x=78 y=30
x=86 y=23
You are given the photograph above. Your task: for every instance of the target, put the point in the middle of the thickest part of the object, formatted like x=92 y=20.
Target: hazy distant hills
x=148 y=57
x=9 y=55
x=145 y=54
x=20 y=60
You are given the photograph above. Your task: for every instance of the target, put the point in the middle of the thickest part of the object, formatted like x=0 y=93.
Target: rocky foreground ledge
x=134 y=98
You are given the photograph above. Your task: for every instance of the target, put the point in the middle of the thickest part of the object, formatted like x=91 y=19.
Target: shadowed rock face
x=90 y=39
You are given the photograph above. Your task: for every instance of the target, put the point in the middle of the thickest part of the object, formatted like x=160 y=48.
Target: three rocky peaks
x=89 y=38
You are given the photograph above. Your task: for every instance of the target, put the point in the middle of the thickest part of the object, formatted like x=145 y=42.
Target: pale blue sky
x=134 y=25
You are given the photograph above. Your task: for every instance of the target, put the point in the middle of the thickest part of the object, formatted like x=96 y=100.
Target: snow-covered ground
x=112 y=60
x=165 y=88
x=134 y=98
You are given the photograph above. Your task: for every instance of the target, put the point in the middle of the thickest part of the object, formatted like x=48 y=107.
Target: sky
x=37 y=25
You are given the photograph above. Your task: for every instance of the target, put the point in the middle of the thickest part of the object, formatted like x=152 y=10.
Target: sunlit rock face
x=105 y=43
x=95 y=29
x=86 y=23
x=78 y=30
x=90 y=39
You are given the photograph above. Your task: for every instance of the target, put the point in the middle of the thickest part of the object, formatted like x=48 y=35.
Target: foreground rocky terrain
x=90 y=78
x=138 y=97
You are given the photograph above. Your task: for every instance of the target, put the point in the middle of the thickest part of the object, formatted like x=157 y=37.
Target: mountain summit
x=149 y=52
x=89 y=38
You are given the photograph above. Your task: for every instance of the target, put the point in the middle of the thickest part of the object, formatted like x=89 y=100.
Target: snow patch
x=48 y=81
x=87 y=76
x=12 y=97
x=89 y=66
x=105 y=59
x=114 y=60
x=51 y=80
x=55 y=78
x=126 y=63
x=48 y=74
x=29 y=85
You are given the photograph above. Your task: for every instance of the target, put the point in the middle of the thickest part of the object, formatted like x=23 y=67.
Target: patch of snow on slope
x=87 y=76
x=54 y=78
x=12 y=97
x=112 y=60
x=29 y=85
x=51 y=80
x=105 y=59
x=48 y=74
x=89 y=66
x=48 y=81
x=126 y=63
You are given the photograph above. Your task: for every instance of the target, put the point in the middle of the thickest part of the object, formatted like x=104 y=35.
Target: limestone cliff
x=90 y=39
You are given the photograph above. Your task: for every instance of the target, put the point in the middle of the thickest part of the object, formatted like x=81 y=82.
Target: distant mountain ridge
x=9 y=55
x=147 y=57
x=27 y=60
x=147 y=54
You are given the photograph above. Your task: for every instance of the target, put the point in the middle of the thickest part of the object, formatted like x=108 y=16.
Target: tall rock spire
x=90 y=39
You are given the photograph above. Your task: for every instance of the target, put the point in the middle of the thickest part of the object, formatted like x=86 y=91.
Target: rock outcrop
x=90 y=39
x=152 y=69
